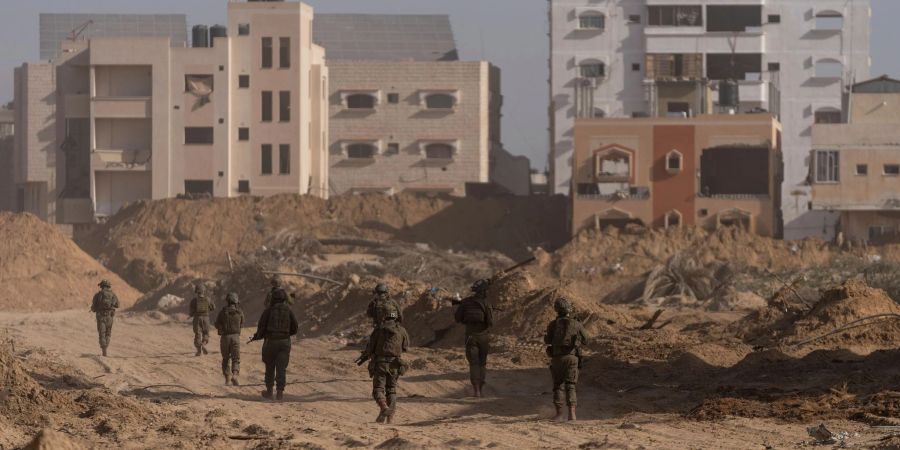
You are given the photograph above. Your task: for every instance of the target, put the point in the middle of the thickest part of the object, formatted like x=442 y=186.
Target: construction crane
x=77 y=32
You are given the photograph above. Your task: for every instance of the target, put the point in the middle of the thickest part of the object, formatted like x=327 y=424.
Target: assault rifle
x=457 y=300
x=363 y=357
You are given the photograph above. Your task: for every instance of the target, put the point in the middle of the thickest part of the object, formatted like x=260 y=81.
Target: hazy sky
x=510 y=33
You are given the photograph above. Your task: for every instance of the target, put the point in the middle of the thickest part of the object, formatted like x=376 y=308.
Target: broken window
x=829 y=21
x=735 y=218
x=677 y=65
x=361 y=151
x=828 y=115
x=198 y=187
x=440 y=101
x=675 y=16
x=266 y=162
x=361 y=101
x=827 y=166
x=591 y=21
x=829 y=68
x=735 y=170
x=733 y=17
x=198 y=135
x=594 y=69
x=892 y=169
x=674 y=161
x=732 y=66
x=439 y=151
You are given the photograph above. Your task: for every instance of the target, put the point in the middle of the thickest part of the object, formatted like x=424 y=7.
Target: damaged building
x=855 y=170
x=708 y=170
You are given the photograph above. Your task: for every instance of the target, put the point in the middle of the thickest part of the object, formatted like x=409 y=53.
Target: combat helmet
x=198 y=289
x=562 y=306
x=231 y=298
x=276 y=281
x=105 y=284
x=481 y=285
x=380 y=289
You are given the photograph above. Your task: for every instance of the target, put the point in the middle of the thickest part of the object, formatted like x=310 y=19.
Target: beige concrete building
x=707 y=170
x=855 y=168
x=7 y=133
x=114 y=120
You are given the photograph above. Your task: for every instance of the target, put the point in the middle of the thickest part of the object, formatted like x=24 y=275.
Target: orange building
x=707 y=170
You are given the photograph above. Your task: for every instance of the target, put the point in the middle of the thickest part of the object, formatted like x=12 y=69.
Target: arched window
x=361 y=101
x=674 y=161
x=672 y=219
x=829 y=21
x=361 y=151
x=828 y=115
x=591 y=20
x=440 y=101
x=439 y=151
x=599 y=113
x=592 y=69
x=829 y=68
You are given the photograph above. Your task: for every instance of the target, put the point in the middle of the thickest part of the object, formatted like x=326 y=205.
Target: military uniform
x=381 y=306
x=386 y=346
x=229 y=323
x=104 y=305
x=564 y=338
x=276 y=326
x=201 y=306
x=477 y=316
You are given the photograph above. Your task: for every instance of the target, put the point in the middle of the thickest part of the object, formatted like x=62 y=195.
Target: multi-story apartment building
x=856 y=164
x=7 y=133
x=406 y=114
x=56 y=27
x=788 y=57
x=707 y=170
x=114 y=120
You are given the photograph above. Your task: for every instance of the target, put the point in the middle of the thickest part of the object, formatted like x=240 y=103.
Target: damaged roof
x=385 y=37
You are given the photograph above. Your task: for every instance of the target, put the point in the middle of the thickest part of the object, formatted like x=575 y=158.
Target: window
x=829 y=21
x=361 y=151
x=439 y=151
x=733 y=66
x=592 y=70
x=198 y=187
x=361 y=101
x=774 y=67
x=678 y=109
x=703 y=212
x=393 y=148
x=672 y=219
x=675 y=16
x=591 y=21
x=892 y=169
x=674 y=161
x=266 y=106
x=440 y=101
x=862 y=169
x=244 y=186
x=774 y=18
x=829 y=68
x=243 y=29
x=634 y=19
x=393 y=98
x=266 y=162
x=284 y=106
x=733 y=17
x=284 y=53
x=266 y=53
x=243 y=81
x=284 y=159
x=827 y=166
x=198 y=135
x=198 y=84
x=827 y=115
x=636 y=67
x=243 y=134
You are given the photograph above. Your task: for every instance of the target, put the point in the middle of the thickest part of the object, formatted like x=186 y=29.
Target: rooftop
x=388 y=37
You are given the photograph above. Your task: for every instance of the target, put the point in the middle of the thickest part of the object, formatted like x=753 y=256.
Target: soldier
x=386 y=346
x=229 y=323
x=276 y=326
x=276 y=285
x=564 y=339
x=381 y=305
x=201 y=306
x=477 y=315
x=104 y=305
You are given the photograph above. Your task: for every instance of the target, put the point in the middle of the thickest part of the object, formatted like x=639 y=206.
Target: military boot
x=234 y=380
x=572 y=413
x=279 y=395
x=392 y=408
x=559 y=414
x=382 y=415
x=104 y=351
x=198 y=352
x=267 y=393
x=227 y=379
x=205 y=352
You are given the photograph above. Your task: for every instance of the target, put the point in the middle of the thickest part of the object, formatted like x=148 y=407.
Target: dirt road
x=328 y=402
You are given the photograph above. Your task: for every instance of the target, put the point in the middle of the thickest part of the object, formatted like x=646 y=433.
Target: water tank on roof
x=217 y=31
x=728 y=94
x=200 y=36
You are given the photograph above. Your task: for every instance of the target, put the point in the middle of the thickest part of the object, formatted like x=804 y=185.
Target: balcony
x=120 y=160
x=123 y=107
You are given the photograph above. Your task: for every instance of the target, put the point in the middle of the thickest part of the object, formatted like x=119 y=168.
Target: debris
x=304 y=275
x=169 y=301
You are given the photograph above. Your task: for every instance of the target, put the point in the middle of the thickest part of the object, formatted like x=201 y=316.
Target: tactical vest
x=383 y=307
x=565 y=336
x=107 y=301
x=201 y=305
x=389 y=340
x=279 y=324
x=473 y=312
x=232 y=321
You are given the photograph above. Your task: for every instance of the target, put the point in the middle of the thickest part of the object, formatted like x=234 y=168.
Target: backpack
x=390 y=340
x=233 y=319
x=107 y=301
x=565 y=334
x=279 y=325
x=473 y=312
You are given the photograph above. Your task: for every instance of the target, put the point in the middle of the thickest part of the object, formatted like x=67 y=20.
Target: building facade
x=707 y=170
x=115 y=120
x=788 y=57
x=856 y=164
x=7 y=139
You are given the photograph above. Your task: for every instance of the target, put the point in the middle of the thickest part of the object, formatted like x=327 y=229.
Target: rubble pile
x=42 y=270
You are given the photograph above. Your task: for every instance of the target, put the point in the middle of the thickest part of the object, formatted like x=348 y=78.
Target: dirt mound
x=42 y=270
x=151 y=242
x=48 y=439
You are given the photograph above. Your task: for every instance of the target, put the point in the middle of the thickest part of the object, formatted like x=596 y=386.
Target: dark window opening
x=680 y=109
x=393 y=148
x=862 y=169
x=892 y=169
x=243 y=81
x=393 y=98
x=735 y=170
x=636 y=67
x=284 y=106
x=440 y=101
x=592 y=70
x=284 y=53
x=588 y=189
x=774 y=18
x=828 y=116
x=591 y=21
x=243 y=134
x=266 y=106
x=266 y=162
x=733 y=17
x=703 y=212
x=244 y=186
x=728 y=66
x=439 y=151
x=361 y=151
x=198 y=187
x=284 y=159
x=361 y=101
x=198 y=135
x=634 y=19
x=774 y=67
x=673 y=219
x=675 y=16
x=673 y=162
x=243 y=29
x=266 y=53
x=674 y=65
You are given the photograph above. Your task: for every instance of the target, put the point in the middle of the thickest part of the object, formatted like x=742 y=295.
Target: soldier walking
x=229 y=323
x=477 y=315
x=201 y=306
x=104 y=306
x=386 y=346
x=565 y=337
x=276 y=325
x=381 y=305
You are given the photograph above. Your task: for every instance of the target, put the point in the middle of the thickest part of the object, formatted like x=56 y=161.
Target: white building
x=623 y=58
